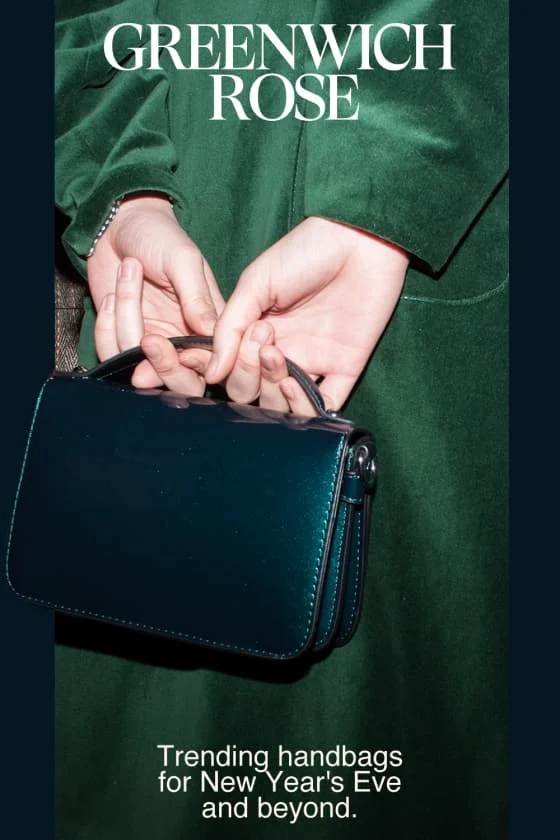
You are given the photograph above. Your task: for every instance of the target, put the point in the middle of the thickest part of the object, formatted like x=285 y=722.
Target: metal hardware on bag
x=364 y=465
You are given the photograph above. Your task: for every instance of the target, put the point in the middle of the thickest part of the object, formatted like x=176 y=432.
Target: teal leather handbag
x=228 y=526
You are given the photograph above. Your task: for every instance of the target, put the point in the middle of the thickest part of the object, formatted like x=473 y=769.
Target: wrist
x=389 y=250
x=132 y=203
x=136 y=206
x=107 y=221
x=153 y=200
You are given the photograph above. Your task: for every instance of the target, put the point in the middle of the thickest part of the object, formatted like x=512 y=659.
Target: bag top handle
x=130 y=358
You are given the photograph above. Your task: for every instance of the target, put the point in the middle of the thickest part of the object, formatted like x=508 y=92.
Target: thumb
x=250 y=299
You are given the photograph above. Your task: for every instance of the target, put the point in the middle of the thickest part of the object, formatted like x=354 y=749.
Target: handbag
x=228 y=526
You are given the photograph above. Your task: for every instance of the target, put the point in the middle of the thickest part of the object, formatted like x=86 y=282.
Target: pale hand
x=327 y=292
x=179 y=293
x=184 y=371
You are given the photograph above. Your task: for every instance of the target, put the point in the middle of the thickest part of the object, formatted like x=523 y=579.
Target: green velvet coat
x=426 y=674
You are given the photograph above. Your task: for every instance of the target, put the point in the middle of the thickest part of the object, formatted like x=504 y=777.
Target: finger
x=297 y=400
x=129 y=320
x=165 y=361
x=104 y=332
x=273 y=370
x=246 y=305
x=187 y=275
x=102 y=277
x=145 y=376
x=244 y=382
x=195 y=359
x=336 y=389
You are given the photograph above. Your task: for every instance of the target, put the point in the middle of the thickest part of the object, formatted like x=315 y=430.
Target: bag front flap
x=198 y=519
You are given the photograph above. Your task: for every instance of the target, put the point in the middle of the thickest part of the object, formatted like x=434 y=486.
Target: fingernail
x=288 y=390
x=109 y=303
x=268 y=364
x=260 y=333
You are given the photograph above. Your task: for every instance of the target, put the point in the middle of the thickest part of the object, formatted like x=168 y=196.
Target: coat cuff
x=120 y=182
x=424 y=206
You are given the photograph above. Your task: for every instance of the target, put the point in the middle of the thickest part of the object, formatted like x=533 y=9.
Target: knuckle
x=164 y=368
x=127 y=291
x=200 y=302
x=164 y=365
x=247 y=367
x=103 y=327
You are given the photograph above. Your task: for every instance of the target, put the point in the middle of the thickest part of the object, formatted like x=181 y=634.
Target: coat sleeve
x=430 y=146
x=112 y=126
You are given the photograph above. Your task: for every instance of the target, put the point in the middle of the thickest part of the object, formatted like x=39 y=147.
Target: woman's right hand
x=179 y=292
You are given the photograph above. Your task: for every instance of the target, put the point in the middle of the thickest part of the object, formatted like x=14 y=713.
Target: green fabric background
x=425 y=166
